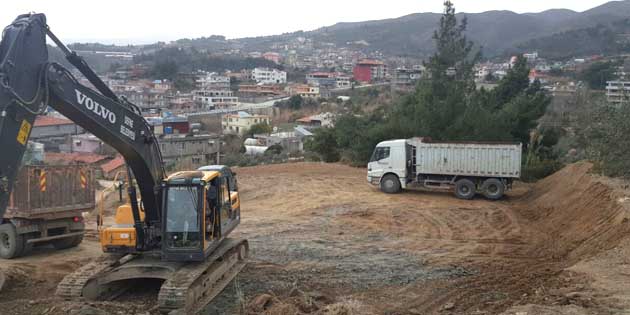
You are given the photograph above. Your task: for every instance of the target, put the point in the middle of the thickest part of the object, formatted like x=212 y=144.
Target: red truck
x=46 y=207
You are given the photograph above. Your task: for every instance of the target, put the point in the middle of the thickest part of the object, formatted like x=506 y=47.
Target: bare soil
x=324 y=242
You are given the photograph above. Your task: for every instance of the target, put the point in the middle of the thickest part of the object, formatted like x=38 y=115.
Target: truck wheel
x=390 y=184
x=68 y=242
x=11 y=244
x=465 y=189
x=493 y=188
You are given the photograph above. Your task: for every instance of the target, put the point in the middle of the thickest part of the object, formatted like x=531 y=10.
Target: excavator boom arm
x=29 y=83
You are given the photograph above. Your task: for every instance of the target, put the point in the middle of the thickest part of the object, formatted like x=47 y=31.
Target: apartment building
x=368 y=70
x=215 y=99
x=190 y=150
x=618 y=92
x=304 y=90
x=241 y=122
x=212 y=81
x=269 y=76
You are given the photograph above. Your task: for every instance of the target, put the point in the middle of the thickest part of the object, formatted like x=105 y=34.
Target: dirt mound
x=577 y=213
x=298 y=302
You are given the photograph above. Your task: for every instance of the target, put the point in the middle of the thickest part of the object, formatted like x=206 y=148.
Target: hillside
x=556 y=33
x=498 y=32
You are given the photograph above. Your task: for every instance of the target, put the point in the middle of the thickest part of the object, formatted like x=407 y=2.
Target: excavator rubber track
x=71 y=287
x=192 y=287
x=187 y=287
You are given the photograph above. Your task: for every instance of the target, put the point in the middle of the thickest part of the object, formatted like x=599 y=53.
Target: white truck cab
x=388 y=165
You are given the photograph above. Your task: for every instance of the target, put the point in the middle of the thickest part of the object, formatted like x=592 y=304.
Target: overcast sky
x=145 y=21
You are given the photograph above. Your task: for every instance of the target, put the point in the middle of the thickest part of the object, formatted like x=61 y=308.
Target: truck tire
x=390 y=184
x=465 y=189
x=493 y=188
x=68 y=242
x=11 y=243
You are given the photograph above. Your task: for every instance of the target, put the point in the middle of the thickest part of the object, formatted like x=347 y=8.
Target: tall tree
x=438 y=103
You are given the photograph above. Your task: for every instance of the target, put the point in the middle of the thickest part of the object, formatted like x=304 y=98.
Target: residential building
x=304 y=90
x=260 y=89
x=212 y=81
x=531 y=57
x=146 y=98
x=175 y=125
x=368 y=70
x=343 y=82
x=162 y=85
x=317 y=121
x=618 y=92
x=322 y=79
x=482 y=73
x=110 y=169
x=404 y=77
x=190 y=150
x=182 y=102
x=34 y=153
x=272 y=56
x=215 y=99
x=156 y=125
x=291 y=141
x=269 y=76
x=50 y=127
x=75 y=158
x=535 y=75
x=241 y=122
x=87 y=143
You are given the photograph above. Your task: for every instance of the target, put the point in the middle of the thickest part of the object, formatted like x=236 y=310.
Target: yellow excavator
x=175 y=231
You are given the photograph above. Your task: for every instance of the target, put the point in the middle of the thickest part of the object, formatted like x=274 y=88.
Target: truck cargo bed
x=468 y=159
x=49 y=192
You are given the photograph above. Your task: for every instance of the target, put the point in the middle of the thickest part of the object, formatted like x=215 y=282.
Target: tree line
x=446 y=106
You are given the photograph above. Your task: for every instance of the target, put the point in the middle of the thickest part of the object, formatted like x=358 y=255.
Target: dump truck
x=468 y=168
x=46 y=206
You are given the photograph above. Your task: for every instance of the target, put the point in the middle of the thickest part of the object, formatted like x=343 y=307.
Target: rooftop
x=42 y=121
x=113 y=164
x=75 y=157
x=370 y=62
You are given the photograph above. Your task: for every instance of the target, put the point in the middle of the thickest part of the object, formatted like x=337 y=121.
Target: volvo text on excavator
x=176 y=231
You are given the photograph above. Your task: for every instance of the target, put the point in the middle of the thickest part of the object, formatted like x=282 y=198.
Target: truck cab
x=387 y=168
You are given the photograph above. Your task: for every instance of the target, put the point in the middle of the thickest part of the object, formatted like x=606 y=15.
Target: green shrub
x=539 y=170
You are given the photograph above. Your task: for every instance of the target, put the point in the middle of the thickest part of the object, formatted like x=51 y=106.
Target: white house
x=269 y=76
x=215 y=99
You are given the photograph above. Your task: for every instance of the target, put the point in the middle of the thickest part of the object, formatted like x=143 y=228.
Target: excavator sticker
x=25 y=130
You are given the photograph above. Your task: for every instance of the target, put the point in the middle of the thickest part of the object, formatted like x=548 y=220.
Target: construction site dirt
x=324 y=242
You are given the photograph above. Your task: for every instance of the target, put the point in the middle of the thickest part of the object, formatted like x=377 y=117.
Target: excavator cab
x=200 y=208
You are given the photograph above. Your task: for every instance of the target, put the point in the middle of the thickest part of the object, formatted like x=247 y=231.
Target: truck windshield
x=182 y=220
x=380 y=153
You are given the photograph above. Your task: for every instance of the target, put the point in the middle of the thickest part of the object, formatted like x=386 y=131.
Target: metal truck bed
x=468 y=159
x=50 y=192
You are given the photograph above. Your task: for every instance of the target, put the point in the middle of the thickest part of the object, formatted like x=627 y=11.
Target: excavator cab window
x=183 y=218
x=213 y=225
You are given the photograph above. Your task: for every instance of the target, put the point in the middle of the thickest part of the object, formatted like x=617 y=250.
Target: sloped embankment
x=577 y=213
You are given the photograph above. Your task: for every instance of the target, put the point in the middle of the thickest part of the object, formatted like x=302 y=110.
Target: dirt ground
x=324 y=242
